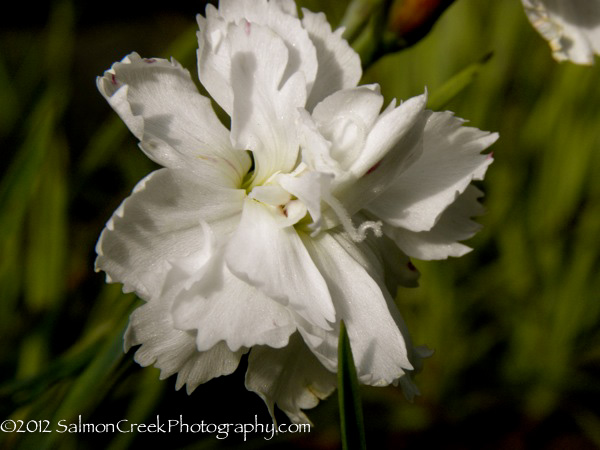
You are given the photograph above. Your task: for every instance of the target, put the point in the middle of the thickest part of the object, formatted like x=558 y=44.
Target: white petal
x=378 y=346
x=271 y=194
x=451 y=159
x=316 y=150
x=173 y=350
x=159 y=222
x=391 y=126
x=572 y=27
x=273 y=15
x=221 y=307
x=345 y=119
x=394 y=143
x=290 y=377
x=287 y=6
x=175 y=124
x=339 y=64
x=265 y=112
x=310 y=188
x=214 y=58
x=442 y=240
x=215 y=55
x=274 y=259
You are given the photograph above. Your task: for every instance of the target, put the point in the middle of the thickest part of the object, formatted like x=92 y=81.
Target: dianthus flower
x=262 y=236
x=571 y=27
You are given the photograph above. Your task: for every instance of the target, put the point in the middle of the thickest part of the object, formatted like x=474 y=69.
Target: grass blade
x=455 y=85
x=352 y=424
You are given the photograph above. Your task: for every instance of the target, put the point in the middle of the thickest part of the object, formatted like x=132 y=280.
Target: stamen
x=356 y=234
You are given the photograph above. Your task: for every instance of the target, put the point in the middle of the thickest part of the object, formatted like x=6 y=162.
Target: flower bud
x=411 y=20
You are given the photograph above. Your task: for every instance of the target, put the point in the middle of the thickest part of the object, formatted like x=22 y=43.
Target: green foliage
x=351 y=417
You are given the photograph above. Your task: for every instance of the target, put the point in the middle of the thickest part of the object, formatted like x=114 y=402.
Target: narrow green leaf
x=47 y=241
x=455 y=85
x=148 y=393
x=17 y=189
x=351 y=417
x=21 y=177
x=91 y=385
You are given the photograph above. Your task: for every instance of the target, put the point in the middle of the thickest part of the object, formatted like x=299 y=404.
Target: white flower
x=266 y=235
x=572 y=27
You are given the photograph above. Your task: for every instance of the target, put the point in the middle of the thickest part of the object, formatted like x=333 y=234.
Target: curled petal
x=176 y=126
x=346 y=118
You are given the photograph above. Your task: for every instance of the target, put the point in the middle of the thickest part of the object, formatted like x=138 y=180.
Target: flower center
x=287 y=208
x=300 y=198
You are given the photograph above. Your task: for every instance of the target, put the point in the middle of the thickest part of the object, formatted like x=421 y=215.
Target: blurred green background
x=514 y=324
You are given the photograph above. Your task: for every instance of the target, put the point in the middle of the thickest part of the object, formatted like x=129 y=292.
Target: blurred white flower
x=266 y=235
x=572 y=27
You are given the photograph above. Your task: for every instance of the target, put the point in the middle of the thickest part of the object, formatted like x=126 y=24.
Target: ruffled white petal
x=394 y=143
x=218 y=306
x=273 y=15
x=366 y=254
x=451 y=159
x=339 y=65
x=378 y=346
x=442 y=240
x=274 y=259
x=265 y=111
x=176 y=126
x=160 y=222
x=216 y=54
x=174 y=351
x=291 y=378
x=214 y=58
x=571 y=27
x=389 y=129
